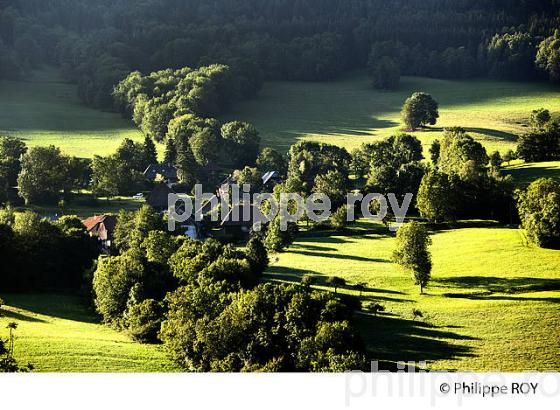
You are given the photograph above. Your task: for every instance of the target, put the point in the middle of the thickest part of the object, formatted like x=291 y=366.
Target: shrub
x=112 y=281
x=257 y=256
x=143 y=320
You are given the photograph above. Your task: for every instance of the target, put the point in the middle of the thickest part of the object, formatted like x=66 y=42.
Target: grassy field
x=58 y=334
x=46 y=110
x=348 y=112
x=524 y=174
x=493 y=303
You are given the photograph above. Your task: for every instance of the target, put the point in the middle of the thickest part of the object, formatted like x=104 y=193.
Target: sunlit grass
x=524 y=174
x=58 y=334
x=47 y=111
x=493 y=303
x=349 y=112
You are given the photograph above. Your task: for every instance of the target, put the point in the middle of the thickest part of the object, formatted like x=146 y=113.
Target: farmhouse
x=271 y=179
x=166 y=172
x=237 y=224
x=158 y=198
x=102 y=227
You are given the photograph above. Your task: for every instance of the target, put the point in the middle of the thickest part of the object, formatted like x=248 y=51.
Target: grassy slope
x=58 y=334
x=524 y=174
x=348 y=112
x=493 y=303
x=46 y=110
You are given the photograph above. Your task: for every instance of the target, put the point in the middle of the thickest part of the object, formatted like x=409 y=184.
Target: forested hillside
x=98 y=43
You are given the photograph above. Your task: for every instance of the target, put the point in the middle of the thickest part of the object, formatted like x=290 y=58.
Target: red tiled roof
x=92 y=222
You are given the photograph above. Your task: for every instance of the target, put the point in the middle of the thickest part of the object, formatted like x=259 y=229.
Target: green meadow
x=59 y=334
x=493 y=303
x=46 y=111
x=348 y=112
x=524 y=174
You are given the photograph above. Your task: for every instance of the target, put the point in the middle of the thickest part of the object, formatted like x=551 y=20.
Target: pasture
x=46 y=110
x=524 y=174
x=492 y=305
x=348 y=112
x=59 y=334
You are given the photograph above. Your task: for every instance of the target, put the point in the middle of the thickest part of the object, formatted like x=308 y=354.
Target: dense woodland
x=99 y=43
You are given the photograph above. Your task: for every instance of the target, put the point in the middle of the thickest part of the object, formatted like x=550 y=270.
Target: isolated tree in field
x=496 y=160
x=548 y=56
x=419 y=110
x=539 y=211
x=360 y=287
x=509 y=156
x=336 y=282
x=375 y=308
x=539 y=118
x=308 y=281
x=385 y=74
x=412 y=252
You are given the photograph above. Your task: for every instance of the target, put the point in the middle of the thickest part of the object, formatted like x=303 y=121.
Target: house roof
x=207 y=206
x=101 y=225
x=107 y=227
x=158 y=198
x=93 y=222
x=270 y=175
x=235 y=216
x=166 y=171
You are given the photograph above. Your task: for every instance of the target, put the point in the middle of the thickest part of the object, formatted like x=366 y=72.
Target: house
x=192 y=229
x=167 y=172
x=102 y=227
x=159 y=197
x=271 y=179
x=238 y=225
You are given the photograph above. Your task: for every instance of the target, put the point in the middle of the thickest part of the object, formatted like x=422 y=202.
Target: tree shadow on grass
x=60 y=306
x=312 y=247
x=503 y=135
x=492 y=284
x=17 y=316
x=391 y=339
x=467 y=224
x=294 y=276
x=340 y=256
